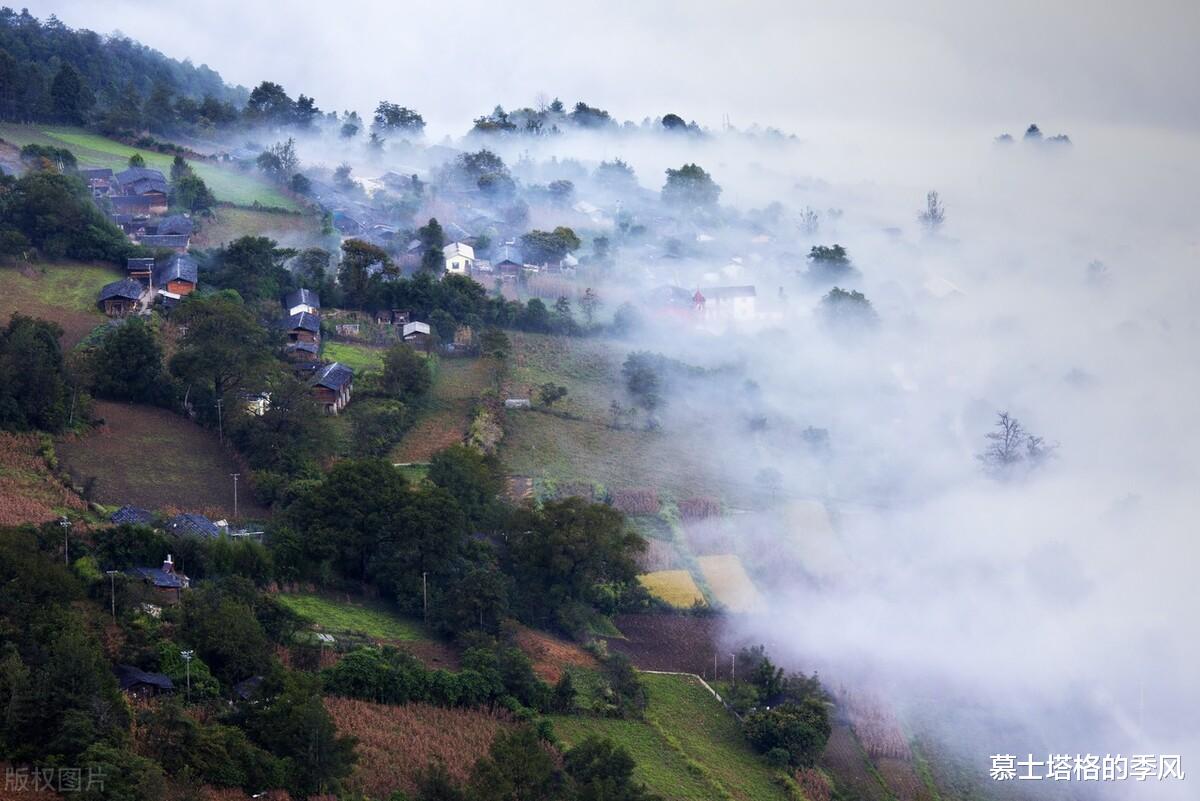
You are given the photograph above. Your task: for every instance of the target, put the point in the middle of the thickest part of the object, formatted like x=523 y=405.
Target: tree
x=300 y=184
x=180 y=168
x=494 y=344
x=642 y=380
x=269 y=103
x=590 y=303
x=601 y=770
x=690 y=187
x=615 y=175
x=391 y=117
x=473 y=478
x=562 y=554
x=561 y=191
x=69 y=98
x=224 y=347
x=549 y=394
x=378 y=425
x=1010 y=447
x=356 y=274
x=253 y=266
x=128 y=365
x=40 y=397
x=191 y=193
x=405 y=374
x=137 y=160
x=801 y=729
x=517 y=768
x=934 y=213
x=549 y=247
x=280 y=160
x=847 y=310
x=57 y=214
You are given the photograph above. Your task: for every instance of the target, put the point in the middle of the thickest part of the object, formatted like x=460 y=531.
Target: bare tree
x=810 y=221
x=1011 y=447
x=934 y=213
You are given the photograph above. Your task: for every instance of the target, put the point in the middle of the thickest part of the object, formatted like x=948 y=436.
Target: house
x=144 y=183
x=175 y=225
x=304 y=327
x=303 y=300
x=507 y=263
x=141 y=684
x=517 y=403
x=167 y=583
x=136 y=205
x=176 y=242
x=121 y=297
x=459 y=258
x=99 y=180
x=131 y=516
x=332 y=386
x=302 y=351
x=140 y=269
x=179 y=275
x=392 y=316
x=726 y=302
x=416 y=334
x=193 y=525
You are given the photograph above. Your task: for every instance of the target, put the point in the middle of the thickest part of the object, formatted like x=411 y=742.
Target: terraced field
x=62 y=292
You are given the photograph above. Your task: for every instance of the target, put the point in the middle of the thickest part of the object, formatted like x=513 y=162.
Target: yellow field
x=675 y=587
x=729 y=583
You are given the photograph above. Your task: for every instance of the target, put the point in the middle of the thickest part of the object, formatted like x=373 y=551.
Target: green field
x=688 y=747
x=227 y=183
x=360 y=358
x=63 y=292
x=229 y=223
x=373 y=620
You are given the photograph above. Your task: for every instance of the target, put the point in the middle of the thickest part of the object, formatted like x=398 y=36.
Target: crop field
x=28 y=492
x=330 y=615
x=729 y=582
x=360 y=358
x=845 y=759
x=676 y=642
x=229 y=223
x=153 y=458
x=457 y=383
x=675 y=587
x=227 y=183
x=689 y=747
x=550 y=655
x=396 y=742
x=64 y=293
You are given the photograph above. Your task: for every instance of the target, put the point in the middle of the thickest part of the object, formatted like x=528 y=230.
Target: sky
x=989 y=65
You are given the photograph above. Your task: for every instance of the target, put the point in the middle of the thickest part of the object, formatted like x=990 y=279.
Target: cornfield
x=550 y=655
x=702 y=508
x=396 y=742
x=730 y=583
x=814 y=784
x=875 y=726
x=635 y=501
x=28 y=492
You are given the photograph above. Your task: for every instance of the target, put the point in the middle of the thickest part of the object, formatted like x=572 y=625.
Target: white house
x=459 y=258
x=726 y=302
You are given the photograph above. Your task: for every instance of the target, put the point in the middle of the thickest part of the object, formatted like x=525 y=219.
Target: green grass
x=227 y=183
x=229 y=223
x=373 y=620
x=688 y=747
x=360 y=358
x=62 y=292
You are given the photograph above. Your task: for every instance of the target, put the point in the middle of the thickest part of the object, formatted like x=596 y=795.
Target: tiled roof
x=334 y=376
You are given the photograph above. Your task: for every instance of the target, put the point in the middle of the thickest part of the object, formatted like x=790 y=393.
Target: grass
x=63 y=292
x=688 y=747
x=373 y=620
x=229 y=223
x=675 y=587
x=457 y=384
x=730 y=584
x=227 y=183
x=360 y=358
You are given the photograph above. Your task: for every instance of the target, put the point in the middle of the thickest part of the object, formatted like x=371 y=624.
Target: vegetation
x=375 y=621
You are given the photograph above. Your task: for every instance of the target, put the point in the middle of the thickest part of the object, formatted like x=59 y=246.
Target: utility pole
x=714 y=665
x=235 y=509
x=187 y=661
x=220 y=425
x=733 y=668
x=425 y=593
x=112 y=581
x=66 y=527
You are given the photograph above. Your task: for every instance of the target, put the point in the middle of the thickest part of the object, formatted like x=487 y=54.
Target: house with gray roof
x=121 y=297
x=332 y=385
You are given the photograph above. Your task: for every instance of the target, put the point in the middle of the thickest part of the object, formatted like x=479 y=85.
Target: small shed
x=120 y=297
x=141 y=684
x=131 y=516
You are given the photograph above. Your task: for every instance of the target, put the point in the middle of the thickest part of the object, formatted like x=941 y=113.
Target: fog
x=1055 y=611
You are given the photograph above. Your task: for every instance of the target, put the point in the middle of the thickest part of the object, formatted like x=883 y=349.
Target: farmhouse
x=140 y=269
x=459 y=258
x=179 y=275
x=99 y=180
x=135 y=205
x=144 y=183
x=726 y=302
x=193 y=525
x=332 y=386
x=176 y=242
x=416 y=334
x=302 y=351
x=303 y=300
x=508 y=263
x=121 y=297
x=167 y=583
x=304 y=327
x=131 y=516
x=141 y=684
x=175 y=225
